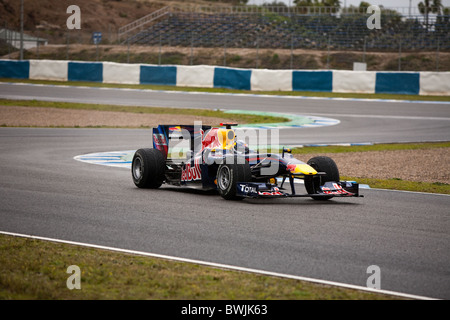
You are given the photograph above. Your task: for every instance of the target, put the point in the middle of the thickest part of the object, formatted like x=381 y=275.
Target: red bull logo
x=159 y=139
x=190 y=173
x=219 y=138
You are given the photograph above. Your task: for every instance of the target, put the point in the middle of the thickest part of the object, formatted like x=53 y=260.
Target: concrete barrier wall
x=271 y=80
x=354 y=81
x=121 y=73
x=85 y=71
x=397 y=82
x=49 y=70
x=160 y=75
x=423 y=83
x=434 y=83
x=195 y=76
x=232 y=78
x=14 y=69
x=306 y=80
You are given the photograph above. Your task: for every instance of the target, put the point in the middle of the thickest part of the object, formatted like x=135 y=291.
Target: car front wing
x=266 y=190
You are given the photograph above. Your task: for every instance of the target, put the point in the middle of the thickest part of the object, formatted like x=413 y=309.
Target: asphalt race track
x=361 y=121
x=45 y=192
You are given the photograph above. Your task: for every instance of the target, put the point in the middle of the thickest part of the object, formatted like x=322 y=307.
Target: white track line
x=224 y=266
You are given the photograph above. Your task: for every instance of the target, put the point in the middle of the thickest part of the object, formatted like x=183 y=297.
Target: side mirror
x=288 y=150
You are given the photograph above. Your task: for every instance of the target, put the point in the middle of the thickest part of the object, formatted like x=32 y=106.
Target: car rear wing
x=164 y=135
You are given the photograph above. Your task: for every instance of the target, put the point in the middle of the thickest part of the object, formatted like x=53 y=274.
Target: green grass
x=374 y=147
x=240 y=118
x=403 y=185
x=35 y=269
x=222 y=90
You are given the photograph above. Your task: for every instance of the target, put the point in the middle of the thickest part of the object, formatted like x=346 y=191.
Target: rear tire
x=148 y=168
x=227 y=177
x=321 y=164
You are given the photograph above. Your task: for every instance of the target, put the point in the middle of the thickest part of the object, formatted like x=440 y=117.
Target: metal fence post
x=225 y=51
x=364 y=49
x=159 y=54
x=328 y=53
x=292 y=51
x=192 y=48
x=37 y=46
x=96 y=50
x=257 y=51
x=8 y=39
x=21 y=30
x=437 y=56
x=67 y=45
x=128 y=49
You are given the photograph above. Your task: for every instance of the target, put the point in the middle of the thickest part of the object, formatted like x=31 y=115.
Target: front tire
x=321 y=164
x=148 y=168
x=228 y=175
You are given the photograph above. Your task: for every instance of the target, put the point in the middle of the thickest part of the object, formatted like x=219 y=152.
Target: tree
x=331 y=3
x=335 y=4
x=426 y=7
x=303 y=3
x=442 y=25
x=233 y=2
x=275 y=4
x=318 y=3
x=363 y=6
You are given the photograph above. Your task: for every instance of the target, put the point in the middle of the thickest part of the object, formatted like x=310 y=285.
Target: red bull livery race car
x=212 y=158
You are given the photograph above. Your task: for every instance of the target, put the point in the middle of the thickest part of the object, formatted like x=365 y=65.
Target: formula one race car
x=212 y=158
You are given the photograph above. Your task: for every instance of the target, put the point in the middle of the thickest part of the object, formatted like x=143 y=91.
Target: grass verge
x=238 y=117
x=373 y=147
x=36 y=269
x=403 y=185
x=223 y=90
